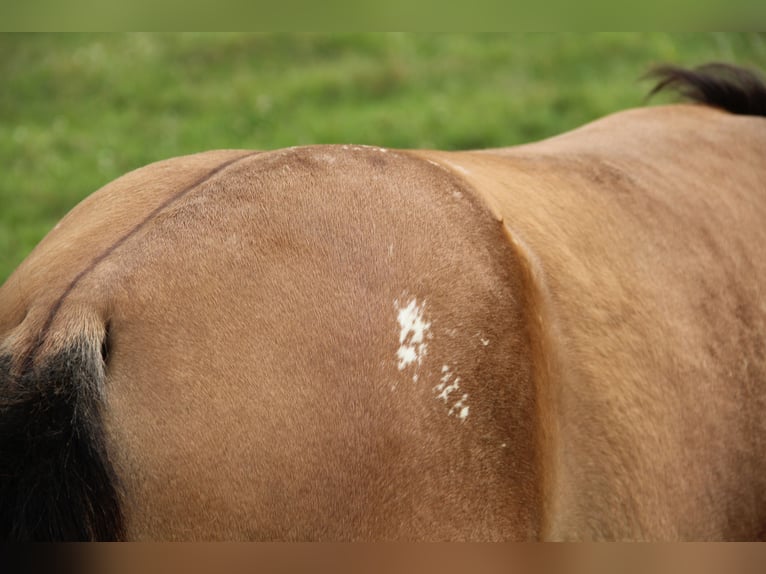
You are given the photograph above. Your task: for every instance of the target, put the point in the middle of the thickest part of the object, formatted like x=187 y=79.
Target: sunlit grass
x=79 y=110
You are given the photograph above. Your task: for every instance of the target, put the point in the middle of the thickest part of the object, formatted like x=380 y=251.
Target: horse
x=562 y=340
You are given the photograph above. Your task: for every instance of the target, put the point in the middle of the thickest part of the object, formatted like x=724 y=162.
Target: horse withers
x=561 y=340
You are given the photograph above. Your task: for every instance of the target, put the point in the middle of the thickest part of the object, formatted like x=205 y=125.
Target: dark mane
x=732 y=88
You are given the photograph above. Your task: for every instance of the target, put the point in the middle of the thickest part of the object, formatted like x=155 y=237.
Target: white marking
x=353 y=147
x=484 y=342
x=437 y=164
x=413 y=329
x=460 y=408
x=407 y=355
x=457 y=167
x=445 y=388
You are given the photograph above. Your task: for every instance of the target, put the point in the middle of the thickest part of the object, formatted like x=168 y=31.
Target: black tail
x=734 y=89
x=56 y=482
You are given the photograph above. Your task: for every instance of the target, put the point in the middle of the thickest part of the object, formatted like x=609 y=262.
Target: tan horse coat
x=563 y=340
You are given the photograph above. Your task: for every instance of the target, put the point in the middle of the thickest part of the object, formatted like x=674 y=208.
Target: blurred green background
x=78 y=110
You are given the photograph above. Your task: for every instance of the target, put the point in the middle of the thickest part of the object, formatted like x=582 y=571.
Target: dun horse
x=562 y=340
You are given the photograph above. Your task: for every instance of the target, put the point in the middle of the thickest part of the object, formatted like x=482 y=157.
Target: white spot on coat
x=445 y=387
x=457 y=167
x=413 y=329
x=460 y=408
x=449 y=384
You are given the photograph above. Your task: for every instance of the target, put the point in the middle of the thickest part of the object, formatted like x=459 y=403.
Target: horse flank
x=56 y=478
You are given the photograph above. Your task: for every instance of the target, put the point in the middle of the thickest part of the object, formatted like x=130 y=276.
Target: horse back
x=558 y=340
x=646 y=231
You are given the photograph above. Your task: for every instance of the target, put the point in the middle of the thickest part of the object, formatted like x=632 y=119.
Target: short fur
x=596 y=297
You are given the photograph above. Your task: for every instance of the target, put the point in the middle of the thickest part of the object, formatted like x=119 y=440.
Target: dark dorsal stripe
x=56 y=479
x=27 y=361
x=732 y=88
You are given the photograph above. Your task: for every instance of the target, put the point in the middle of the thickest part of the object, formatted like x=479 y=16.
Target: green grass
x=76 y=111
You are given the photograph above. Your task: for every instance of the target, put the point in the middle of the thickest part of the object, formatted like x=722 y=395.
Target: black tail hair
x=56 y=481
x=732 y=88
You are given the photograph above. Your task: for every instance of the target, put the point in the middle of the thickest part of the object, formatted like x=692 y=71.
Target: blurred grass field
x=78 y=110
